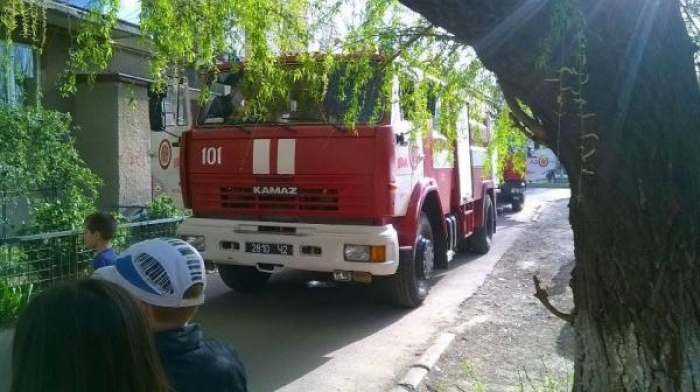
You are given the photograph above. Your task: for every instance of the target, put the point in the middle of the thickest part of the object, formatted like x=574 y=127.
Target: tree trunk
x=632 y=151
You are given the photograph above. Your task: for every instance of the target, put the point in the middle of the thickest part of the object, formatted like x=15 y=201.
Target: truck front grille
x=315 y=196
x=304 y=199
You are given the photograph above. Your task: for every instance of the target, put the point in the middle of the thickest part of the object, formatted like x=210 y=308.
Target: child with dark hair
x=85 y=336
x=99 y=228
x=168 y=276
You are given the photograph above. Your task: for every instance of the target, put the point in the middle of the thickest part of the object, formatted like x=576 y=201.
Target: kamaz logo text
x=275 y=190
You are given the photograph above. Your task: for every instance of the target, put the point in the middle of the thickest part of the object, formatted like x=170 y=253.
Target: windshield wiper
x=283 y=125
x=312 y=120
x=317 y=121
x=242 y=126
x=337 y=127
x=332 y=121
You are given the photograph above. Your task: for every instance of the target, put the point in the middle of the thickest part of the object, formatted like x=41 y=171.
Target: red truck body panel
x=336 y=175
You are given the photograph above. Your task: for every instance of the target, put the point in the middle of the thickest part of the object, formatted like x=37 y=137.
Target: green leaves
x=29 y=16
x=14 y=291
x=93 y=46
x=508 y=144
x=13 y=299
x=40 y=165
x=162 y=206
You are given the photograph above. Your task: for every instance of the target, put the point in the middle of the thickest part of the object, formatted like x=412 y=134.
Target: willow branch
x=542 y=295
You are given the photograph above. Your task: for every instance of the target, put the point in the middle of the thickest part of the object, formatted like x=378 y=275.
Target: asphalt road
x=293 y=337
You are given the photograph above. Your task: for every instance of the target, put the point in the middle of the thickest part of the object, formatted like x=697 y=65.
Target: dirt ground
x=507 y=340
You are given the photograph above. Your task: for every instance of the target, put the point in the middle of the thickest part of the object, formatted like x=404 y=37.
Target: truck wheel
x=242 y=278
x=411 y=283
x=517 y=206
x=480 y=241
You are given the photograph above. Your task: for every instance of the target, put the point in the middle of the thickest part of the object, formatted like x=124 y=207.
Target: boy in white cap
x=167 y=275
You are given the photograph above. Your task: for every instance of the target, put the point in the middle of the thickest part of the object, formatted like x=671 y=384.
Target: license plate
x=269 y=249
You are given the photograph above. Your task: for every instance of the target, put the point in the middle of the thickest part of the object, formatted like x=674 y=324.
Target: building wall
x=129 y=62
x=52 y=62
x=96 y=112
x=134 y=145
x=112 y=117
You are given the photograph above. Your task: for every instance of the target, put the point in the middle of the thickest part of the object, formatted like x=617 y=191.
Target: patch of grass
x=441 y=386
x=546 y=382
x=468 y=370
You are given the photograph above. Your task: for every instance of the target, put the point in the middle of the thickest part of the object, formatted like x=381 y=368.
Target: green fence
x=29 y=264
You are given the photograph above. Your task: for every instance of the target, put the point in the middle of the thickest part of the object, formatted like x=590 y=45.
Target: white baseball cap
x=158 y=272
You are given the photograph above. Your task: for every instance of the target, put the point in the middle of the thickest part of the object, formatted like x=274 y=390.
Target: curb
x=538 y=211
x=417 y=372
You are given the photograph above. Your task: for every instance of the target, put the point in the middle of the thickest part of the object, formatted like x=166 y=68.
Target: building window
x=17 y=73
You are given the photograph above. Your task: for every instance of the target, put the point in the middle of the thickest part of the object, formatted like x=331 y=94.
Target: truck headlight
x=197 y=241
x=374 y=253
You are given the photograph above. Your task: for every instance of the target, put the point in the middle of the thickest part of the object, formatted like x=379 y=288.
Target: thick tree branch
x=534 y=127
x=542 y=295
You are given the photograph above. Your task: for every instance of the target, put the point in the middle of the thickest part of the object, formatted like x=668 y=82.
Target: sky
x=128 y=10
x=343 y=22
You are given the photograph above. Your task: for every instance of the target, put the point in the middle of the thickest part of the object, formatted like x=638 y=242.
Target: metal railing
x=40 y=260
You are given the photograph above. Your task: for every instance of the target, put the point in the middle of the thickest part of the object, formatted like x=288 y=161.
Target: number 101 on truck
x=343 y=170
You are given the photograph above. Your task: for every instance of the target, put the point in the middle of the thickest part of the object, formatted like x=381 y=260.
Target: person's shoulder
x=227 y=364
x=104 y=258
x=220 y=349
x=108 y=254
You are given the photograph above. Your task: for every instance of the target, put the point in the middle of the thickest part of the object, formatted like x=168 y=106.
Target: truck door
x=170 y=116
x=464 y=158
x=409 y=154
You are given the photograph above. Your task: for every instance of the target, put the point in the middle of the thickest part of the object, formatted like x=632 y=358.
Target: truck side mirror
x=401 y=139
x=156 y=114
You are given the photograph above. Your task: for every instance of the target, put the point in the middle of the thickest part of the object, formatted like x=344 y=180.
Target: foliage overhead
x=195 y=34
x=191 y=34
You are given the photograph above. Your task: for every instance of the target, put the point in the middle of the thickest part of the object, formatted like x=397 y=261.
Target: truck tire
x=241 y=278
x=480 y=241
x=410 y=285
x=517 y=206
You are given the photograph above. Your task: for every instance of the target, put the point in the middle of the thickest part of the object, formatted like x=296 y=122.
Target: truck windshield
x=227 y=101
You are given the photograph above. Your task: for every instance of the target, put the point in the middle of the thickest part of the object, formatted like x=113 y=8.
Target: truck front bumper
x=271 y=245
x=510 y=192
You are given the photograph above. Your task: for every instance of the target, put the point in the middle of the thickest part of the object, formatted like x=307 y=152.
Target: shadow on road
x=506 y=217
x=288 y=329
x=566 y=342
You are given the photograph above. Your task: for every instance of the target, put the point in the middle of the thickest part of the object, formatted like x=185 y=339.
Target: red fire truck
x=512 y=188
x=296 y=189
